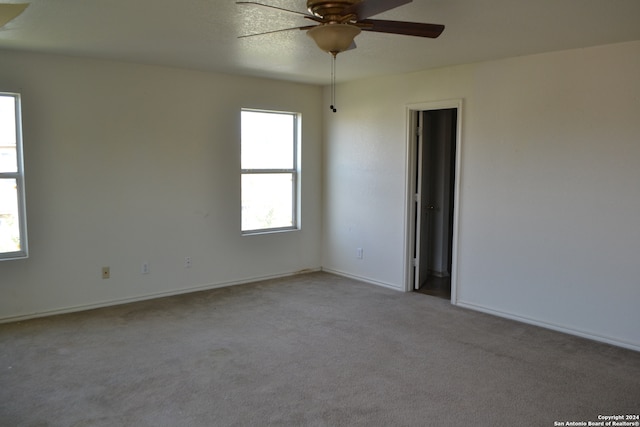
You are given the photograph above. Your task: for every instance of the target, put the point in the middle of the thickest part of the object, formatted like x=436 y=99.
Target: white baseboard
x=439 y=273
x=463 y=304
x=552 y=326
x=84 y=307
x=363 y=279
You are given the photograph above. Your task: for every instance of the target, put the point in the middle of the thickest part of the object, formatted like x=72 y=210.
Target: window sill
x=270 y=231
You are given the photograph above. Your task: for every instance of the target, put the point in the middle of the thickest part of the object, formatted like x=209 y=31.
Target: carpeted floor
x=309 y=350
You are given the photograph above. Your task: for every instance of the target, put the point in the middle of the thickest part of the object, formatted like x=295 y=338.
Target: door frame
x=412 y=110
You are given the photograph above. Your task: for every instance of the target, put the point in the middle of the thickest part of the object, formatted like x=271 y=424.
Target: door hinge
x=414 y=262
x=416 y=197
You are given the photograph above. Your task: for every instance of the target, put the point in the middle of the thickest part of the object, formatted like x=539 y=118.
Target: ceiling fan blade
x=9 y=11
x=367 y=8
x=306 y=27
x=273 y=7
x=401 y=27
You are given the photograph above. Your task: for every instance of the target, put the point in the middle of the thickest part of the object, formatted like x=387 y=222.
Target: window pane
x=267 y=201
x=267 y=140
x=8 y=157
x=9 y=216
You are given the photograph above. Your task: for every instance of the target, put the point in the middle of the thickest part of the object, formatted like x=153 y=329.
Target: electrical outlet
x=187 y=262
x=359 y=253
x=106 y=272
x=145 y=268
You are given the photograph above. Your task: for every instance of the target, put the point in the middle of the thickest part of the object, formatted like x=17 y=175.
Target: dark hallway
x=437 y=286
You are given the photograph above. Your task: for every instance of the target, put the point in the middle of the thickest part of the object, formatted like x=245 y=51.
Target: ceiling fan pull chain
x=333 y=83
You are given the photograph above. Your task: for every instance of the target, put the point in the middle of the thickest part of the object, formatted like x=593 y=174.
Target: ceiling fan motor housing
x=329 y=10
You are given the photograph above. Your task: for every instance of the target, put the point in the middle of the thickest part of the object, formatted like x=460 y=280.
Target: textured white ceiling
x=202 y=34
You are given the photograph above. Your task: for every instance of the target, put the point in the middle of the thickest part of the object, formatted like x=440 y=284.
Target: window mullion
x=10 y=175
x=256 y=171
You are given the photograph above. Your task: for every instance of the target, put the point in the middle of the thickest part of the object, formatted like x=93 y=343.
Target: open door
x=433 y=191
x=422 y=204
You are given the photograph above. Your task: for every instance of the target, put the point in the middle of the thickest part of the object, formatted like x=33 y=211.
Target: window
x=13 y=230
x=270 y=170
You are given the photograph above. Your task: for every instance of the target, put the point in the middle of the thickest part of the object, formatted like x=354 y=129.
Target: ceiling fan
x=340 y=21
x=9 y=11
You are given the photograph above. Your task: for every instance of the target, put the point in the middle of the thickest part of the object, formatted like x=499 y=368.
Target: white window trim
x=295 y=171
x=19 y=177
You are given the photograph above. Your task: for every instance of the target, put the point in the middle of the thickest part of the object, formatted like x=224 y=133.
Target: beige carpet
x=310 y=350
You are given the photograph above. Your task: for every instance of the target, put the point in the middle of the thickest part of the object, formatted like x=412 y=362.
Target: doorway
x=433 y=177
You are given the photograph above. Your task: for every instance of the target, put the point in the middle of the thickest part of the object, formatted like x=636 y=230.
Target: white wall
x=128 y=163
x=550 y=186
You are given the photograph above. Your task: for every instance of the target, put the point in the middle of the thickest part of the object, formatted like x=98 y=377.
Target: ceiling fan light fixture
x=334 y=37
x=10 y=11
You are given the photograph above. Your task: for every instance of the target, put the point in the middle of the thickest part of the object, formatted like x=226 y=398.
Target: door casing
x=412 y=111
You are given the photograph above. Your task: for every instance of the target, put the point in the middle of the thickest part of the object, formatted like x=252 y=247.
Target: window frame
x=18 y=176
x=294 y=171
